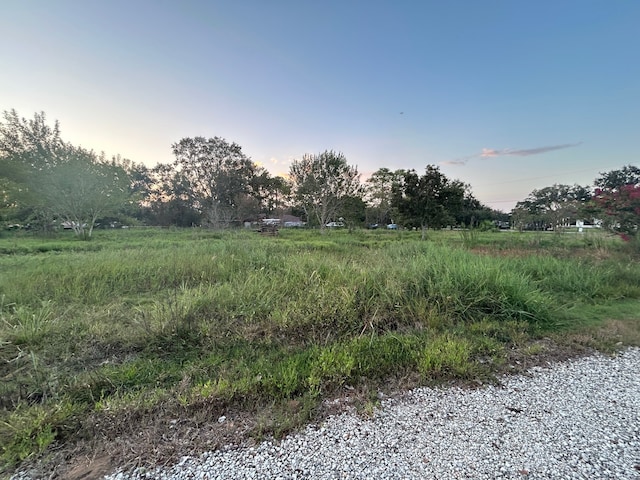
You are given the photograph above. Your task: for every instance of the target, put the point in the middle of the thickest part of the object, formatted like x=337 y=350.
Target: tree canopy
x=551 y=207
x=322 y=184
x=379 y=191
x=217 y=177
x=430 y=200
x=615 y=179
x=45 y=179
x=84 y=188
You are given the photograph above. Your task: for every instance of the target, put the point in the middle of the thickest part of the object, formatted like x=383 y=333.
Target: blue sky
x=506 y=95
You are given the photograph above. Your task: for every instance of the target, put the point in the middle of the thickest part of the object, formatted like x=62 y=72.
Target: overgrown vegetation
x=138 y=322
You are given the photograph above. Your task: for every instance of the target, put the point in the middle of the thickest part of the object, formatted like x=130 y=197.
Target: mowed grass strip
x=138 y=319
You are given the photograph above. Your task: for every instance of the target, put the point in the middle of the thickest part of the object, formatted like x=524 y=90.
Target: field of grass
x=99 y=337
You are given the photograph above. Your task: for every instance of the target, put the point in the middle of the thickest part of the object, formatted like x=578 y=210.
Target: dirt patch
x=89 y=468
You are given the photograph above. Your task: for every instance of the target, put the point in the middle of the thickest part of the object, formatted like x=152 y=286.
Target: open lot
x=139 y=342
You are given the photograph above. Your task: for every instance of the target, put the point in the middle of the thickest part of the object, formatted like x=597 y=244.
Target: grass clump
x=445 y=356
x=27 y=432
x=148 y=323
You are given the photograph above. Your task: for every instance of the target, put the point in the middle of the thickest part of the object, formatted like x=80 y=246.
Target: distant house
x=287 y=221
x=594 y=223
x=290 y=221
x=270 y=221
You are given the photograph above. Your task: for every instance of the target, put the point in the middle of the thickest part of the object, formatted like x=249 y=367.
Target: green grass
x=148 y=320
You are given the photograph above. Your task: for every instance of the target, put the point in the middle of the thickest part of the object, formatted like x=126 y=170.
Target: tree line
x=613 y=202
x=46 y=182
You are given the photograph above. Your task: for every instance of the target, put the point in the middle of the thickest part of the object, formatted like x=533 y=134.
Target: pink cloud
x=454 y=162
x=492 y=153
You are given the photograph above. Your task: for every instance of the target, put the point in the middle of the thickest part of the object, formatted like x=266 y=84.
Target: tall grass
x=143 y=318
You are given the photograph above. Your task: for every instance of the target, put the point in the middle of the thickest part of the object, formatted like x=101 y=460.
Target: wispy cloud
x=454 y=162
x=491 y=153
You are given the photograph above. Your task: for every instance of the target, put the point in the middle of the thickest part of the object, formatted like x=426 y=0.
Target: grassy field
x=159 y=333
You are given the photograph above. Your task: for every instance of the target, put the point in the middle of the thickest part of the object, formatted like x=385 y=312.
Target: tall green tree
x=83 y=188
x=168 y=198
x=28 y=149
x=473 y=212
x=616 y=179
x=31 y=143
x=272 y=192
x=50 y=179
x=553 y=207
x=322 y=184
x=379 y=190
x=352 y=212
x=430 y=200
x=218 y=176
x=11 y=194
x=140 y=176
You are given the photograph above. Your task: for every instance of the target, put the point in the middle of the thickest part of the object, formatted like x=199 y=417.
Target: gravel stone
x=573 y=420
x=578 y=419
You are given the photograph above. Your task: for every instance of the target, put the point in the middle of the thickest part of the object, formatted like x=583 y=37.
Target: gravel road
x=573 y=420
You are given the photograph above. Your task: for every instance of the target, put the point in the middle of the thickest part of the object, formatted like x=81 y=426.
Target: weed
x=26 y=325
x=28 y=431
x=445 y=356
x=470 y=237
x=136 y=321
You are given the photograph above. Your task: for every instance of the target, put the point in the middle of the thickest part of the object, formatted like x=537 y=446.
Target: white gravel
x=573 y=420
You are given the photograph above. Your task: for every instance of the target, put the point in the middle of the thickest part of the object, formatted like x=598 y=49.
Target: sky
x=505 y=95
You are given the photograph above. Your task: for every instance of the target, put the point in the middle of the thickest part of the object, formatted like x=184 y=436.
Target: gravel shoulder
x=577 y=419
